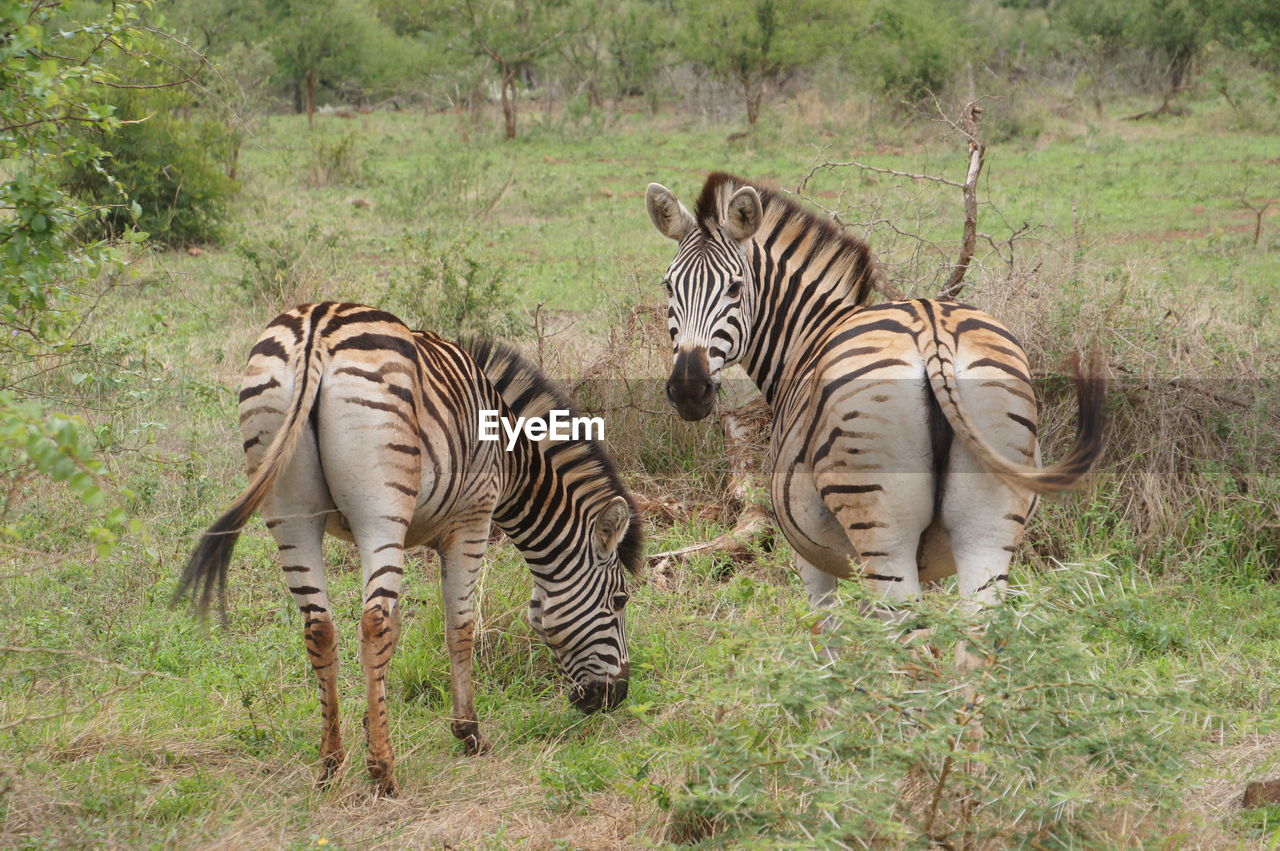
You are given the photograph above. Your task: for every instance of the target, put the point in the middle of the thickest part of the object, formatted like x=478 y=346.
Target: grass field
x=1155 y=597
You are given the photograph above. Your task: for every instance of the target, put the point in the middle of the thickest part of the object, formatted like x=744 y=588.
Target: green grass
x=208 y=734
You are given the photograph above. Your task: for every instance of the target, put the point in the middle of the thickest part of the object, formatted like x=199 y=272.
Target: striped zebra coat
x=355 y=425
x=904 y=440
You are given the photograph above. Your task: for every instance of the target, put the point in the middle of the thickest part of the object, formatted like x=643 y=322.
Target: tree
x=510 y=34
x=338 y=43
x=310 y=39
x=639 y=39
x=752 y=44
x=55 y=72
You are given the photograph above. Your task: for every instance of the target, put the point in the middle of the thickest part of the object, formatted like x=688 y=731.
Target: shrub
x=880 y=745
x=334 y=161
x=908 y=50
x=286 y=265
x=453 y=293
x=165 y=169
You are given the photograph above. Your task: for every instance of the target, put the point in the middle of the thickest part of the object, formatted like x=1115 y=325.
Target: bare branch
x=864 y=167
x=977 y=151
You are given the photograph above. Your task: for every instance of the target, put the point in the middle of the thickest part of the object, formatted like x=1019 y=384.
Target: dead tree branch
x=1259 y=210
x=967 y=126
x=1165 y=107
x=743 y=427
x=977 y=151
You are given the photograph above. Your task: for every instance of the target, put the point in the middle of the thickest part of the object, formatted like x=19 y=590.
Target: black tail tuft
x=1091 y=413
x=207 y=567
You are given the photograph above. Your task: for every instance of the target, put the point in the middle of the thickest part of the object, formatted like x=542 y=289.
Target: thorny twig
x=967 y=126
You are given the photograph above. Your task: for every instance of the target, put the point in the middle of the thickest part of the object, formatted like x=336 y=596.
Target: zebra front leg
x=459 y=568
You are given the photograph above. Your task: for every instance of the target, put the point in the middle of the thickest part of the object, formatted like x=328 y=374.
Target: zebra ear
x=743 y=215
x=667 y=214
x=611 y=524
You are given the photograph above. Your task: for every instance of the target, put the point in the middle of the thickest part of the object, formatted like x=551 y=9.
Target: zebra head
x=710 y=291
x=578 y=609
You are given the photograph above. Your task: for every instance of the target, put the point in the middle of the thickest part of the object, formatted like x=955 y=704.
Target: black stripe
x=1022 y=421
x=832 y=489
x=268 y=348
x=1003 y=577
x=368 y=342
x=382 y=571
x=249 y=392
x=973 y=323
x=289 y=320
x=367 y=315
x=1015 y=372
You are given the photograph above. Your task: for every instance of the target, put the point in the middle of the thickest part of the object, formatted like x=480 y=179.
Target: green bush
x=165 y=173
x=880 y=745
x=908 y=49
x=335 y=160
x=288 y=264
x=453 y=294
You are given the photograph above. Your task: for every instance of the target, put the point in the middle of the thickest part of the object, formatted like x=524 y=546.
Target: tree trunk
x=311 y=97
x=753 y=108
x=509 y=103
x=754 y=92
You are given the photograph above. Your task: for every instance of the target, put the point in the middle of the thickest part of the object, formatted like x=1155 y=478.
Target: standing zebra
x=355 y=425
x=866 y=400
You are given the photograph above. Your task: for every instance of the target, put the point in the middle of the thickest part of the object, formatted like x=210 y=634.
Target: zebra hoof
x=468 y=732
x=386 y=788
x=476 y=745
x=384 y=784
x=329 y=765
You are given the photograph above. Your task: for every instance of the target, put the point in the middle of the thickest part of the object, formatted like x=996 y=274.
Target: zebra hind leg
x=299 y=540
x=295 y=514
x=380 y=632
x=382 y=560
x=820 y=588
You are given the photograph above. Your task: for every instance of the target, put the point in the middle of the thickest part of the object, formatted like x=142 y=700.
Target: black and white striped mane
x=850 y=257
x=529 y=393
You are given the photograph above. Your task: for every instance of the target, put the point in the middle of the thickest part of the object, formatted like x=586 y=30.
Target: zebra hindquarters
x=870 y=447
x=982 y=516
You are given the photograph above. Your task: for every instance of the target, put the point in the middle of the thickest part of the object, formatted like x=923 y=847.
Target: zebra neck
x=539 y=508
x=794 y=315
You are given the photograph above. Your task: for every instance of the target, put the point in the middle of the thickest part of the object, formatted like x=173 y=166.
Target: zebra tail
x=206 y=569
x=1068 y=473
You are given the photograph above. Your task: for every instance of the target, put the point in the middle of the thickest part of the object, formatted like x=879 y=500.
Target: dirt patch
x=1230 y=768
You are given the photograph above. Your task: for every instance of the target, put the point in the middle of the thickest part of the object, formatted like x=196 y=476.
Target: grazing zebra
x=866 y=400
x=355 y=425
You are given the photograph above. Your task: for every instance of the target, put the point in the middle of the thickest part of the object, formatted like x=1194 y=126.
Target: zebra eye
x=670 y=292
x=619 y=600
x=734 y=289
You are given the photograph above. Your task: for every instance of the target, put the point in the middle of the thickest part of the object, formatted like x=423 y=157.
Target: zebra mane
x=529 y=393
x=848 y=258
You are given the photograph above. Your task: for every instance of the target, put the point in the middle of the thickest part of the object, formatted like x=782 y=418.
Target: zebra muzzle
x=691 y=390
x=597 y=694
